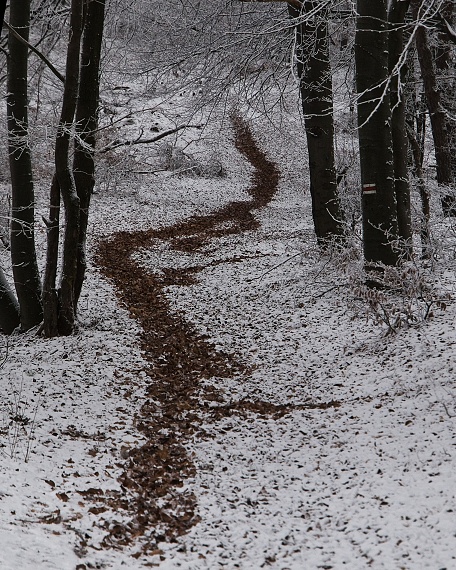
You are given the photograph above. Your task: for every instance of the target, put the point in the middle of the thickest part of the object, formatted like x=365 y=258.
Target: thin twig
x=295 y=3
x=36 y=52
x=277 y=266
x=329 y=290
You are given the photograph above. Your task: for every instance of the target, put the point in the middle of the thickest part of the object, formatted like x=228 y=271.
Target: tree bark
x=86 y=124
x=314 y=71
x=445 y=69
x=379 y=207
x=396 y=18
x=23 y=253
x=425 y=233
x=448 y=29
x=50 y=295
x=66 y=317
x=436 y=112
x=9 y=307
x=2 y=12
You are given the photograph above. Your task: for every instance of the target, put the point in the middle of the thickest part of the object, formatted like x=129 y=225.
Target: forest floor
x=227 y=401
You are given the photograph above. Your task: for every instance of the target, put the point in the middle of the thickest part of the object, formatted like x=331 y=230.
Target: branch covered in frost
x=162 y=135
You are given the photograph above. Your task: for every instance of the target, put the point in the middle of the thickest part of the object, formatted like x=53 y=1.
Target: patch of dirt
x=180 y=358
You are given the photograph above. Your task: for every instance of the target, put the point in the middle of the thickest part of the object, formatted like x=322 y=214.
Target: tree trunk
x=437 y=114
x=380 y=227
x=314 y=71
x=425 y=233
x=2 y=12
x=50 y=296
x=9 y=307
x=87 y=122
x=66 y=318
x=23 y=253
x=445 y=69
x=396 y=18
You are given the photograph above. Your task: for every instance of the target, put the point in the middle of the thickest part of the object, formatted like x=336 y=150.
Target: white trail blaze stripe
x=369 y=189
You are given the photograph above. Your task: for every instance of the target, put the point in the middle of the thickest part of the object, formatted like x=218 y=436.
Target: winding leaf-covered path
x=179 y=358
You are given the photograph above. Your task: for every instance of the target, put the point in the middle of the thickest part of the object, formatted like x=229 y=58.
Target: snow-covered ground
x=360 y=475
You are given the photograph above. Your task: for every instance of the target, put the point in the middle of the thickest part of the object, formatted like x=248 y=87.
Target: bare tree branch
x=36 y=52
x=162 y=135
x=447 y=28
x=295 y=3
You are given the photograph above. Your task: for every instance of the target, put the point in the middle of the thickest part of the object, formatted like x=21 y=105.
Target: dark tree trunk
x=425 y=233
x=396 y=18
x=9 y=308
x=446 y=68
x=380 y=228
x=2 y=12
x=87 y=122
x=23 y=254
x=66 y=317
x=50 y=296
x=415 y=122
x=446 y=16
x=444 y=49
x=314 y=71
x=436 y=111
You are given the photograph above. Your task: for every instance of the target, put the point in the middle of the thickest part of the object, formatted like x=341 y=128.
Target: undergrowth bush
x=389 y=297
x=178 y=161
x=403 y=296
x=17 y=423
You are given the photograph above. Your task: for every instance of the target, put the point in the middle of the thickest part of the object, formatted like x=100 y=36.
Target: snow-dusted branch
x=295 y=3
x=447 y=28
x=162 y=135
x=35 y=51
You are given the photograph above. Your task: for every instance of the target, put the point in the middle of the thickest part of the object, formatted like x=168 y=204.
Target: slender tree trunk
x=9 y=307
x=380 y=227
x=425 y=233
x=415 y=112
x=64 y=173
x=447 y=14
x=2 y=11
x=23 y=254
x=314 y=70
x=436 y=111
x=396 y=18
x=445 y=69
x=50 y=296
x=87 y=122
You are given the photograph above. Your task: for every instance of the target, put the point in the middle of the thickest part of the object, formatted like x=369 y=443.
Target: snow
x=359 y=473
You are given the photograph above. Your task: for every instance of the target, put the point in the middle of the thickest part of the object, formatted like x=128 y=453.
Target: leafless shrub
x=178 y=161
x=391 y=298
x=397 y=297
x=18 y=423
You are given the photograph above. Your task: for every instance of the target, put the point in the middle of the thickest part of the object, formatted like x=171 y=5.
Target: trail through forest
x=179 y=358
x=293 y=435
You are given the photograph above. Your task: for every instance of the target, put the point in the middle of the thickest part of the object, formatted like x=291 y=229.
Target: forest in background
x=248 y=381
x=376 y=85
